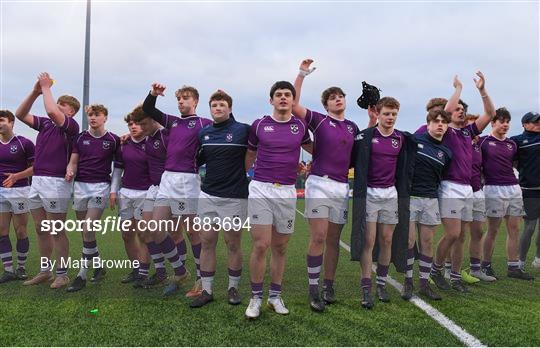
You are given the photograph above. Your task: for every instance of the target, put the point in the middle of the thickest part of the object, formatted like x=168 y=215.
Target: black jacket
x=404 y=174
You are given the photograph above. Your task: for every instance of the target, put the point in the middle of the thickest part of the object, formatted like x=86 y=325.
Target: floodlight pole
x=86 y=83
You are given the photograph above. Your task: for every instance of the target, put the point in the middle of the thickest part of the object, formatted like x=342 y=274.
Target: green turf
x=505 y=313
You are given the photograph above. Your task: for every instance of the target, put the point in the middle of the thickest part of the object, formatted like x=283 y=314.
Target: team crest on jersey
x=509 y=146
x=143 y=147
x=360 y=136
x=86 y=142
x=525 y=141
x=395 y=143
x=206 y=137
x=350 y=128
x=229 y=137
x=156 y=144
x=191 y=124
x=13 y=148
x=268 y=128
x=294 y=128
x=106 y=145
x=440 y=154
x=420 y=146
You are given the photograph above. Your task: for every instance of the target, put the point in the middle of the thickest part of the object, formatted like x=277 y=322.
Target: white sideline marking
x=456 y=330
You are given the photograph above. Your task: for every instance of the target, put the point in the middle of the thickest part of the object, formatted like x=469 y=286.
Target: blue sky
x=411 y=50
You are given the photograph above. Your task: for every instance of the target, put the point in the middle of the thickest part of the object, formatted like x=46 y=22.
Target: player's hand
x=481 y=81
x=302 y=168
x=70 y=172
x=158 y=89
x=11 y=179
x=45 y=80
x=305 y=69
x=37 y=88
x=372 y=113
x=124 y=138
x=112 y=200
x=457 y=83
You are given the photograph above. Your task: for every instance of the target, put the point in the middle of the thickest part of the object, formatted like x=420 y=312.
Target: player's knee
x=318 y=238
x=386 y=241
x=261 y=246
x=369 y=243
x=279 y=249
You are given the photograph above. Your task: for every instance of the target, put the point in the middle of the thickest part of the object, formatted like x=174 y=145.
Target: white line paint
x=456 y=330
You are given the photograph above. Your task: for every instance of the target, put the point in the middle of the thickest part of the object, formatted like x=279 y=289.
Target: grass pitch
x=505 y=313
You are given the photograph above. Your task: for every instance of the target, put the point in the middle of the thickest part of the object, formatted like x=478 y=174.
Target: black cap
x=530 y=117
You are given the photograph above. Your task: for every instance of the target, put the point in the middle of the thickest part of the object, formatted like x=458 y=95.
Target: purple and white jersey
x=459 y=140
x=332 y=145
x=15 y=156
x=476 y=175
x=183 y=141
x=383 y=160
x=134 y=161
x=53 y=146
x=156 y=154
x=498 y=159
x=278 y=148
x=96 y=155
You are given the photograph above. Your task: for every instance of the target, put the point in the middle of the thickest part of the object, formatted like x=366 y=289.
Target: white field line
x=456 y=330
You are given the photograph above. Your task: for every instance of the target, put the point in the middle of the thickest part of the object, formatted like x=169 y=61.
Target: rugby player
x=50 y=193
x=455 y=192
x=180 y=183
x=503 y=195
x=90 y=167
x=479 y=213
x=223 y=198
x=131 y=198
x=16 y=158
x=388 y=155
x=156 y=153
x=327 y=186
x=274 y=145
x=432 y=159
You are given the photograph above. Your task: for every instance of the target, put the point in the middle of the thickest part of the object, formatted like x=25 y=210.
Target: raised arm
x=489 y=108
x=299 y=110
x=51 y=107
x=373 y=116
x=149 y=104
x=453 y=102
x=23 y=111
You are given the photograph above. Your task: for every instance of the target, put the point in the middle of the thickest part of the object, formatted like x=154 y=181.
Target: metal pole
x=86 y=86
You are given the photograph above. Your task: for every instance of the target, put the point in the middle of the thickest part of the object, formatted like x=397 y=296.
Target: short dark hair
x=137 y=115
x=220 y=95
x=282 y=85
x=465 y=105
x=433 y=114
x=436 y=102
x=388 y=102
x=328 y=92
x=189 y=90
x=502 y=114
x=7 y=114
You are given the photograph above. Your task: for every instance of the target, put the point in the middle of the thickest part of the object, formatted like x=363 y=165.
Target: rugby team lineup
x=450 y=172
